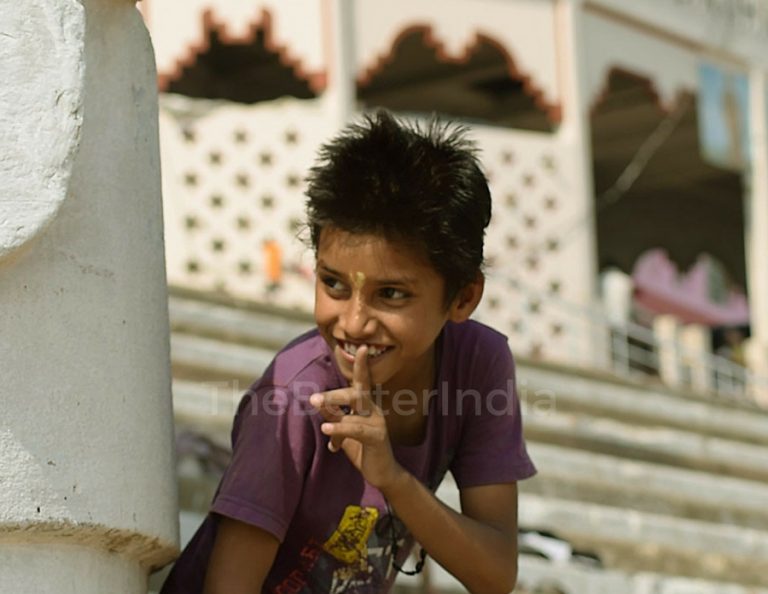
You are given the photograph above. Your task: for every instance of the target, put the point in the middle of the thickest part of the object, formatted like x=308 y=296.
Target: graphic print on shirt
x=355 y=559
x=349 y=542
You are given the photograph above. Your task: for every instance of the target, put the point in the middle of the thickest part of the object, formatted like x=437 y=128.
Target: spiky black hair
x=421 y=185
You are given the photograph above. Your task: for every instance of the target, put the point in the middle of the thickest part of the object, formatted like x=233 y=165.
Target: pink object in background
x=661 y=288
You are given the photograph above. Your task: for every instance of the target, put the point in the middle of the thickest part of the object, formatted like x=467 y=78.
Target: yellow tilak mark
x=358 y=279
x=349 y=542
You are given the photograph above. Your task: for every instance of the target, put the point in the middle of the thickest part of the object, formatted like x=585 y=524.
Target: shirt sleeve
x=491 y=446
x=273 y=448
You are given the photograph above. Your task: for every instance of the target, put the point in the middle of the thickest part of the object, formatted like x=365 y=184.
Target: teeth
x=372 y=350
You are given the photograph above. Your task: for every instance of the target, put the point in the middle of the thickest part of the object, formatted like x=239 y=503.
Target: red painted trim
x=316 y=80
x=553 y=110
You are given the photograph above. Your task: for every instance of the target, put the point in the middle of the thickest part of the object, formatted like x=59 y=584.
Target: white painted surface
x=577 y=521
x=616 y=291
x=41 y=45
x=525 y=28
x=340 y=95
x=67 y=569
x=221 y=215
x=581 y=251
x=86 y=435
x=707 y=24
x=671 y=68
x=297 y=25
x=757 y=229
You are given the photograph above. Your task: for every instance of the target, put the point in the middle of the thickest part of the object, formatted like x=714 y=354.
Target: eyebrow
x=403 y=280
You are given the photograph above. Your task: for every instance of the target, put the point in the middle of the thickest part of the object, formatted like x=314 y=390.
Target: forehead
x=372 y=255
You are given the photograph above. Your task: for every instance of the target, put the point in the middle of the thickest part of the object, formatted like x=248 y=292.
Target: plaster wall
x=718 y=27
x=179 y=32
x=672 y=67
x=525 y=28
x=41 y=50
x=67 y=568
x=86 y=462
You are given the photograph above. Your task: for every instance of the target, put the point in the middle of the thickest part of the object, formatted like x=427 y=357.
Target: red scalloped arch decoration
x=642 y=80
x=317 y=81
x=554 y=111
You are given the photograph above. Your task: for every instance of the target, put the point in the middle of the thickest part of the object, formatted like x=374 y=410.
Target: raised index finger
x=361 y=373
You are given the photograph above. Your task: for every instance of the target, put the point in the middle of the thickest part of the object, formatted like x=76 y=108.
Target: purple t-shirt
x=334 y=529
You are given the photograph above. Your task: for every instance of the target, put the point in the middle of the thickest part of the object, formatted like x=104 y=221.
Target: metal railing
x=632 y=351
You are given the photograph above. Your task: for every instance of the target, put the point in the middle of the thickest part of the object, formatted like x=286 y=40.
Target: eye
x=391 y=293
x=333 y=285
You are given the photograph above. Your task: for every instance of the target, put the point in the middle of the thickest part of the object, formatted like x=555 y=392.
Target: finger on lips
x=361 y=374
x=338 y=407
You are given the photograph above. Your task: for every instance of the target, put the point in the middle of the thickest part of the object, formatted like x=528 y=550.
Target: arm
x=477 y=546
x=241 y=558
x=260 y=490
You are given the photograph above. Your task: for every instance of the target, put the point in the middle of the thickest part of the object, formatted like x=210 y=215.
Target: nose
x=357 y=320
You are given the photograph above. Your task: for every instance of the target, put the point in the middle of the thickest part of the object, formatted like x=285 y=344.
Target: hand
x=362 y=432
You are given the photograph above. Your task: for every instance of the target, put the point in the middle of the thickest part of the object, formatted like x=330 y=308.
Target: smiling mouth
x=374 y=351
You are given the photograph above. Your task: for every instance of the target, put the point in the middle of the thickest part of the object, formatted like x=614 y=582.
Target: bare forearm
x=482 y=557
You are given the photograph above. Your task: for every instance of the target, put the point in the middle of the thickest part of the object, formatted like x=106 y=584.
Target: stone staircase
x=668 y=489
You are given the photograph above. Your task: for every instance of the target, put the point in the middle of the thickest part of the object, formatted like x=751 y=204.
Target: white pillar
x=575 y=135
x=696 y=341
x=88 y=497
x=757 y=231
x=617 y=290
x=341 y=92
x=666 y=328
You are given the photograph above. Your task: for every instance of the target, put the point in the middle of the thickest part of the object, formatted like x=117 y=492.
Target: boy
x=339 y=447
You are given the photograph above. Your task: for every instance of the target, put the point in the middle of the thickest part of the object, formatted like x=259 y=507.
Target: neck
x=403 y=396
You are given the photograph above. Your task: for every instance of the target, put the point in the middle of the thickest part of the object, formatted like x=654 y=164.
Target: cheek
x=406 y=328
x=323 y=307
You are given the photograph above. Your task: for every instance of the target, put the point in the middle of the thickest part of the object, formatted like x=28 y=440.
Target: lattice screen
x=533 y=267
x=233 y=182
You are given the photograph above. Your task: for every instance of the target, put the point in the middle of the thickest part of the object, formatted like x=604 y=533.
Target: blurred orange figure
x=273 y=262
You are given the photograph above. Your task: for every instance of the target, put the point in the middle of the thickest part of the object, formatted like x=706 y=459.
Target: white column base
x=67 y=569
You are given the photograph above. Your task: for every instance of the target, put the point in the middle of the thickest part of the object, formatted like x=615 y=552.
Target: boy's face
x=384 y=294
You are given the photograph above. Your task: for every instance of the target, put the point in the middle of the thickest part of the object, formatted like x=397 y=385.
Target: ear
x=467 y=299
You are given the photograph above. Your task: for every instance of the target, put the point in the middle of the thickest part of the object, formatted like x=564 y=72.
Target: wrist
x=399 y=483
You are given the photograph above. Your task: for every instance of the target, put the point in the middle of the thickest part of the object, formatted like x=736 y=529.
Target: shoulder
x=475 y=342
x=475 y=357
x=305 y=358
x=301 y=368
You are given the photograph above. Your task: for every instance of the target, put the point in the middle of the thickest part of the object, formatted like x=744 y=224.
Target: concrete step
x=211 y=360
x=214 y=401
x=656 y=488
x=661 y=445
x=639 y=541
x=265 y=327
x=537 y=575
x=647 y=406
x=633 y=540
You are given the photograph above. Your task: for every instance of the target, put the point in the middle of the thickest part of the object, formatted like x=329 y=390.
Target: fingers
x=361 y=382
x=357 y=429
x=358 y=398
x=342 y=397
x=345 y=409
x=361 y=373
x=331 y=408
